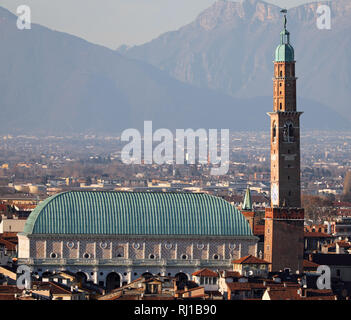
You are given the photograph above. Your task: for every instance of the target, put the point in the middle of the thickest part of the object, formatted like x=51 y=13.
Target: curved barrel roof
x=136 y=213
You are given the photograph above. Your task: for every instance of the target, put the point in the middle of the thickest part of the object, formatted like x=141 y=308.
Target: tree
x=317 y=208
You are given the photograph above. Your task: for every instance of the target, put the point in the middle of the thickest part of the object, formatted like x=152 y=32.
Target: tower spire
x=247 y=204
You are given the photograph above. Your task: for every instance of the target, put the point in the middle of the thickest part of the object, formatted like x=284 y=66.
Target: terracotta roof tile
x=317 y=235
x=250 y=260
x=244 y=286
x=205 y=273
x=309 y=264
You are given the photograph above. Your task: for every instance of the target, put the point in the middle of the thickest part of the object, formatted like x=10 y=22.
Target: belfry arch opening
x=147 y=275
x=81 y=277
x=113 y=281
x=181 y=280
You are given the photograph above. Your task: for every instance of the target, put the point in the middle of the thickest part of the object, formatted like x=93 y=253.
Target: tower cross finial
x=285 y=19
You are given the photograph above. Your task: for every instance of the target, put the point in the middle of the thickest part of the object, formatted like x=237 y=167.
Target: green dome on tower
x=284 y=52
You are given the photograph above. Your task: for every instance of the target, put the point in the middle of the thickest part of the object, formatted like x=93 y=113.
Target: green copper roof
x=247 y=205
x=284 y=52
x=129 y=213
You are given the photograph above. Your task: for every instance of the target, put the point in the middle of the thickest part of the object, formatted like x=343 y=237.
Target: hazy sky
x=115 y=22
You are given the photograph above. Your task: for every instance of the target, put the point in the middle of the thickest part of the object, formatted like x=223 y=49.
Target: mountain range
x=213 y=73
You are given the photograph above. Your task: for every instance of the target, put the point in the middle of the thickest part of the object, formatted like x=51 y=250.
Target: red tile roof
x=316 y=235
x=310 y=264
x=9 y=245
x=54 y=288
x=9 y=289
x=231 y=274
x=205 y=273
x=293 y=294
x=244 y=286
x=283 y=294
x=250 y=259
x=258 y=230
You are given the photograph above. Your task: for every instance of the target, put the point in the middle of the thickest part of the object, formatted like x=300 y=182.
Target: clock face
x=274 y=194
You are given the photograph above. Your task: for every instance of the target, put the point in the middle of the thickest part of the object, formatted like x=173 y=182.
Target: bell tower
x=285 y=217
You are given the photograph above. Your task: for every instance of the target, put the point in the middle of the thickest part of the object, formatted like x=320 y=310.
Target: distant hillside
x=230 y=48
x=52 y=82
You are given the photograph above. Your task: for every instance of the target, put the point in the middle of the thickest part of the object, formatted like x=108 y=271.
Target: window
x=274 y=132
x=216 y=256
x=53 y=255
x=184 y=257
x=86 y=255
x=152 y=256
x=288 y=132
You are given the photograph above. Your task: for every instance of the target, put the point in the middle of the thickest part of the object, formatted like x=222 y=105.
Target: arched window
x=288 y=132
x=274 y=132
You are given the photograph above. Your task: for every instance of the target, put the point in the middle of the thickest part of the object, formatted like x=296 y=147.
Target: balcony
x=129 y=262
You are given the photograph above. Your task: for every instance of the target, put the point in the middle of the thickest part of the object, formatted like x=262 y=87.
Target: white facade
x=97 y=256
x=11 y=224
